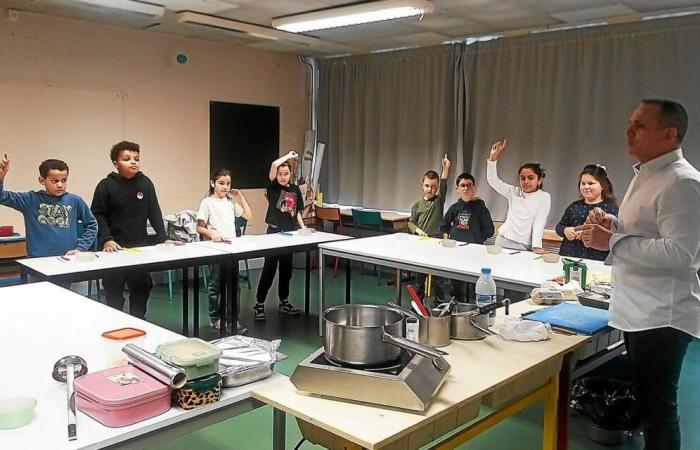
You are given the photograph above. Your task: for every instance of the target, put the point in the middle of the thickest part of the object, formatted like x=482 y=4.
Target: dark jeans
x=657 y=357
x=139 y=288
x=268 y=274
x=214 y=293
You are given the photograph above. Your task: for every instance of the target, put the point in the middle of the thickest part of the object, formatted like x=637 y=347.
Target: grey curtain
x=562 y=99
x=386 y=119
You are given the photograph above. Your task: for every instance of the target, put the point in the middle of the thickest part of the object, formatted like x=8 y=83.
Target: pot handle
x=484 y=330
x=429 y=352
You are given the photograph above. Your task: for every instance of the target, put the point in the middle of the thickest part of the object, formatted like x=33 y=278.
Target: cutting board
x=578 y=318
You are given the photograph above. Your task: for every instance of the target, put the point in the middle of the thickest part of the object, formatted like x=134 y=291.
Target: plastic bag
x=516 y=329
x=607 y=402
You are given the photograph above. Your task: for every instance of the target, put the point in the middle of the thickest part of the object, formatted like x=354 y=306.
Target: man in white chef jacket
x=654 y=248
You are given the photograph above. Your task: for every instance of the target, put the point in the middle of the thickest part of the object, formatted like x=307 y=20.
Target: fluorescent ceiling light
x=245 y=28
x=352 y=15
x=148 y=9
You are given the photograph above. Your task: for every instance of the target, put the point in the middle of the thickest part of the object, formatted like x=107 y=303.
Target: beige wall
x=71 y=89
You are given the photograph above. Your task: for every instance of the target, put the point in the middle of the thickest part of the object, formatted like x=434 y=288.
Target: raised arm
x=278 y=162
x=445 y=167
x=16 y=200
x=239 y=201
x=492 y=179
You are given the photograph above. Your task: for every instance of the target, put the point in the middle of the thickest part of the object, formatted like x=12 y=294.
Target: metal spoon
x=66 y=370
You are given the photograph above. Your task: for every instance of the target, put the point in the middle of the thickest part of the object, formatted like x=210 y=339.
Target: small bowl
x=85 y=256
x=448 y=243
x=550 y=258
x=16 y=412
x=494 y=249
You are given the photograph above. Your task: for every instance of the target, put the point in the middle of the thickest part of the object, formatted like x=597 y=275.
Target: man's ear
x=671 y=133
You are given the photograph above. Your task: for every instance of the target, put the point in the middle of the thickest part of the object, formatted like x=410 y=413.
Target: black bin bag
x=607 y=402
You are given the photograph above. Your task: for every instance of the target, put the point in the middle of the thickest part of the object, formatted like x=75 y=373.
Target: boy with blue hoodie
x=51 y=216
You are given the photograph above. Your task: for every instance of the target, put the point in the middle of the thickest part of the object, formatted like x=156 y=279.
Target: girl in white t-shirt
x=216 y=220
x=528 y=204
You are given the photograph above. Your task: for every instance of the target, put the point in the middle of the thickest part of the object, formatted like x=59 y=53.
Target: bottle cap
x=485 y=270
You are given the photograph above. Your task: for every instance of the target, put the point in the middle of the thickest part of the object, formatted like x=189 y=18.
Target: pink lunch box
x=121 y=396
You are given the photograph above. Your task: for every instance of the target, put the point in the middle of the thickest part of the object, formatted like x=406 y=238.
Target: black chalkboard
x=245 y=140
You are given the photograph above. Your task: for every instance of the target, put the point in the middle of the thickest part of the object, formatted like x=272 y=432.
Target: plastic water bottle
x=486 y=291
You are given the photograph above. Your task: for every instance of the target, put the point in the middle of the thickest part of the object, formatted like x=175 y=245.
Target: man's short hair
x=123 y=145
x=671 y=115
x=51 y=164
x=431 y=175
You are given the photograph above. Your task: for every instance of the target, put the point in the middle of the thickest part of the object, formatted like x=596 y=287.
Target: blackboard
x=244 y=139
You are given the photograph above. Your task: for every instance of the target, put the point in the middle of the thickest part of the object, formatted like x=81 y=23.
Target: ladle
x=66 y=370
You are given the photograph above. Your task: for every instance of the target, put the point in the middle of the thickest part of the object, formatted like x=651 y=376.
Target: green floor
x=299 y=338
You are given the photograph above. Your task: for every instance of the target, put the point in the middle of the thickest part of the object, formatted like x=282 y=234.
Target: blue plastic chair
x=368 y=220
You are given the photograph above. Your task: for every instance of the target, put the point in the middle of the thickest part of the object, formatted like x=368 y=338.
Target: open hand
x=292 y=154
x=446 y=162
x=111 y=246
x=496 y=149
x=4 y=166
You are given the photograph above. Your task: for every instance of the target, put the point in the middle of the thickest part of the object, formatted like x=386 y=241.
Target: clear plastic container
x=113 y=342
x=199 y=358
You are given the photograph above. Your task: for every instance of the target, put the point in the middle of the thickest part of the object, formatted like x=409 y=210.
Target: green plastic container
x=199 y=358
x=16 y=412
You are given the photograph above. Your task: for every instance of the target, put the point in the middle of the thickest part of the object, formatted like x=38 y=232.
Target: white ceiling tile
x=595 y=13
x=424 y=39
x=558 y=6
x=647 y=6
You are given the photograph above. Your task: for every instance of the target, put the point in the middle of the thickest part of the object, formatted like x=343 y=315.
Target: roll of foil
x=156 y=367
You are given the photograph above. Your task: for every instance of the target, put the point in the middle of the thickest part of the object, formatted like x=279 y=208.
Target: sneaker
x=215 y=323
x=240 y=329
x=288 y=308
x=259 y=311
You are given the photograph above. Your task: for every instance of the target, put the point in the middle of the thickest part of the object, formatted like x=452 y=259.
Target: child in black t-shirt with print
x=285 y=206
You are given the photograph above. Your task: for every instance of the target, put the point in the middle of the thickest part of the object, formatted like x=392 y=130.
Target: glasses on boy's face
x=465 y=187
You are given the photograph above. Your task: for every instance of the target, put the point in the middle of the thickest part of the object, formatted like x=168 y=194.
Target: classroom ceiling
x=451 y=20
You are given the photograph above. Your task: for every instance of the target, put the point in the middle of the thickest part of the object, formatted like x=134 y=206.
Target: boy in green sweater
x=426 y=212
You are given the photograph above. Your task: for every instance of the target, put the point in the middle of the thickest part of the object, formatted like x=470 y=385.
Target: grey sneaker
x=288 y=308
x=240 y=329
x=215 y=323
x=259 y=311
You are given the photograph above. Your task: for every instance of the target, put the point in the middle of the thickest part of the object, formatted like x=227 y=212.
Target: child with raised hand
x=596 y=191
x=284 y=210
x=216 y=220
x=426 y=212
x=528 y=204
x=51 y=215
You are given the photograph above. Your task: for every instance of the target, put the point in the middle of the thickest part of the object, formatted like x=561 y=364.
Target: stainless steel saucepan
x=368 y=335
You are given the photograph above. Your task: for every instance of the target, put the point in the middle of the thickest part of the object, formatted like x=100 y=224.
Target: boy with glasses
x=467 y=220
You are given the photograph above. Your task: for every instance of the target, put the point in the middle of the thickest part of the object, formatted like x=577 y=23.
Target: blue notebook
x=578 y=318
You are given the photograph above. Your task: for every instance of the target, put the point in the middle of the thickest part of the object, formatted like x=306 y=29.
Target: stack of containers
x=200 y=360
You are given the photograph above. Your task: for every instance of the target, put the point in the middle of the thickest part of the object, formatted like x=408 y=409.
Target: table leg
x=224 y=290
x=321 y=291
x=279 y=419
x=549 y=432
x=235 y=296
x=195 y=301
x=398 y=286
x=185 y=301
x=307 y=281
x=564 y=399
x=348 y=266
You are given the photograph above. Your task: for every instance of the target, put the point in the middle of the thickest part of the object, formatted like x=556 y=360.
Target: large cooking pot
x=368 y=335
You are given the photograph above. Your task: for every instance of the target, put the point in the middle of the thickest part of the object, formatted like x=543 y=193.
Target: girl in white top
x=528 y=204
x=216 y=220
